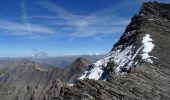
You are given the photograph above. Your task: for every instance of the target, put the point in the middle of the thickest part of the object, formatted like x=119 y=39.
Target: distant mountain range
x=28 y=80
x=36 y=78
x=58 y=61
x=63 y=61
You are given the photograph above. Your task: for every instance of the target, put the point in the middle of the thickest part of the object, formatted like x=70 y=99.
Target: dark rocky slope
x=27 y=80
x=144 y=73
x=77 y=68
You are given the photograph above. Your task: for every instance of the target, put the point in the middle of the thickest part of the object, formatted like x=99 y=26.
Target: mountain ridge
x=28 y=80
x=145 y=41
x=136 y=44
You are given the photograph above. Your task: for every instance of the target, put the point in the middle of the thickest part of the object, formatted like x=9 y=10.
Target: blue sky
x=63 y=27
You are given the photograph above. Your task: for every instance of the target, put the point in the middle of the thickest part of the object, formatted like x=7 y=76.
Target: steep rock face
x=138 y=65
x=77 y=68
x=27 y=80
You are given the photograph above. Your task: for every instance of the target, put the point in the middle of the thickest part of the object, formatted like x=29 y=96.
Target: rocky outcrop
x=77 y=68
x=138 y=65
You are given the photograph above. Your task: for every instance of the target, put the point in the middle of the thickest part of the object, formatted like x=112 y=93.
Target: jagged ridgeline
x=27 y=80
x=138 y=65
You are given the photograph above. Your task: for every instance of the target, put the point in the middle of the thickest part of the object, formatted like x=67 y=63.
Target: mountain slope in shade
x=138 y=65
x=77 y=68
x=27 y=80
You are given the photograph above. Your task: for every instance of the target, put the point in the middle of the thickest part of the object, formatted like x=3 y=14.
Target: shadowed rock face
x=77 y=68
x=27 y=80
x=144 y=80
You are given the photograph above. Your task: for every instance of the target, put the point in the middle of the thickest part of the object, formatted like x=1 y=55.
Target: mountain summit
x=138 y=65
x=77 y=68
x=143 y=41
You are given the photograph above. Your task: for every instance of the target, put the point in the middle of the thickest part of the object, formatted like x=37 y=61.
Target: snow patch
x=151 y=19
x=147 y=48
x=94 y=73
x=98 y=63
x=70 y=85
x=83 y=76
x=123 y=57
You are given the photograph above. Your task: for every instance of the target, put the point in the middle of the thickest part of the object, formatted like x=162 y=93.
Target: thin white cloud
x=93 y=25
x=24 y=12
x=63 y=23
x=98 y=39
x=24 y=28
x=37 y=53
x=96 y=25
x=20 y=29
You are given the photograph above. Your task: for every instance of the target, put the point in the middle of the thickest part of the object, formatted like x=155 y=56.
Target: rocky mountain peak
x=141 y=42
x=77 y=68
x=81 y=59
x=79 y=63
x=150 y=8
x=137 y=67
x=153 y=9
